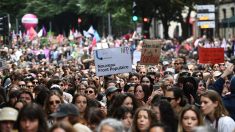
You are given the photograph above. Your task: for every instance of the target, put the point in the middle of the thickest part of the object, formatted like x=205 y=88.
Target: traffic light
x=134 y=12
x=145 y=19
x=4 y=25
x=146 y=24
x=79 y=20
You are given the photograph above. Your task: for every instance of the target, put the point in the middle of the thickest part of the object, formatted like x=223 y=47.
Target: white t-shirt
x=225 y=124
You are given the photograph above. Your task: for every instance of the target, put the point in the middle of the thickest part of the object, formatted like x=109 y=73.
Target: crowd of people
x=53 y=87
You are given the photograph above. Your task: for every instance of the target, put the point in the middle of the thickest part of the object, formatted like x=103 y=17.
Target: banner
x=211 y=55
x=112 y=61
x=151 y=51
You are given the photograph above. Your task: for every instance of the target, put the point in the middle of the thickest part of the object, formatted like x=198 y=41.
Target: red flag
x=94 y=42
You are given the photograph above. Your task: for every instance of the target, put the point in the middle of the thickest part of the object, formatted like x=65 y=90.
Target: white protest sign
x=112 y=61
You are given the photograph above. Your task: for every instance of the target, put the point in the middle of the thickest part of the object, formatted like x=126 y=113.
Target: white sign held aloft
x=112 y=61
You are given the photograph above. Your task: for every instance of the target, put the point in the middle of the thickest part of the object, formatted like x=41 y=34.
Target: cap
x=165 y=63
x=55 y=86
x=111 y=90
x=66 y=110
x=8 y=114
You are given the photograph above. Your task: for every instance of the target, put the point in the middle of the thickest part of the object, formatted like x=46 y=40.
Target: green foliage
x=121 y=10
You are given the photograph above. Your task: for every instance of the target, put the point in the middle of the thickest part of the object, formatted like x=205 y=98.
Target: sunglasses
x=54 y=102
x=167 y=73
x=30 y=86
x=198 y=75
x=89 y=91
x=35 y=82
x=21 y=85
x=177 y=63
x=168 y=98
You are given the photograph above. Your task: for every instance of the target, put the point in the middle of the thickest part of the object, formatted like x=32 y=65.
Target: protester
x=69 y=113
x=110 y=125
x=215 y=112
x=53 y=72
x=8 y=118
x=190 y=118
x=143 y=119
x=125 y=115
x=62 y=127
x=32 y=118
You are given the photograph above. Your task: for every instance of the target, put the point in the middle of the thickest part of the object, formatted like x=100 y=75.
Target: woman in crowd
x=142 y=93
x=125 y=115
x=201 y=87
x=134 y=78
x=147 y=80
x=62 y=127
x=32 y=119
x=110 y=125
x=143 y=119
x=19 y=104
x=126 y=99
x=80 y=88
x=164 y=113
x=51 y=105
x=215 y=113
x=189 y=119
x=91 y=92
x=95 y=116
x=81 y=102
x=129 y=88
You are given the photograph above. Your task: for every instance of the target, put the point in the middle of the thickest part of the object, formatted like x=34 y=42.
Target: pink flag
x=32 y=33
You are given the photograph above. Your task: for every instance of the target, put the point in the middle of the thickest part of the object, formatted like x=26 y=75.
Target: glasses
x=89 y=91
x=221 y=64
x=198 y=75
x=35 y=82
x=167 y=73
x=21 y=85
x=30 y=86
x=177 y=63
x=54 y=102
x=168 y=98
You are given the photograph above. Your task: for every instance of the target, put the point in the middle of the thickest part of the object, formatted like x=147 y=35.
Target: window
x=224 y=12
x=232 y=11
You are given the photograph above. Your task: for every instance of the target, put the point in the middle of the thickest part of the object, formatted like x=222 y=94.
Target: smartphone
x=156 y=87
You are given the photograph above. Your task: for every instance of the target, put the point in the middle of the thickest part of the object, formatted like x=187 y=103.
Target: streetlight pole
x=109 y=24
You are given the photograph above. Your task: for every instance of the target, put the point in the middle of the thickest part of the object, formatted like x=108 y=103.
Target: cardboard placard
x=211 y=55
x=112 y=61
x=151 y=51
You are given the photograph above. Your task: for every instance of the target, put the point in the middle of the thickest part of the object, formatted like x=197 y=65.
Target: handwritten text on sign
x=150 y=52
x=211 y=55
x=112 y=61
